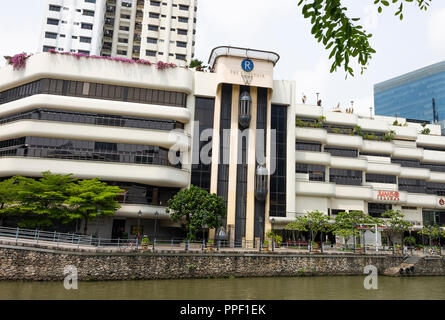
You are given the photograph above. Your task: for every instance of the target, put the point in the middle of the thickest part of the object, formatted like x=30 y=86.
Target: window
x=85 y=39
x=155 y=3
x=308 y=146
x=89 y=13
x=54 y=22
x=182 y=31
x=125 y=16
x=122 y=52
x=153 y=27
x=377 y=209
x=150 y=53
x=316 y=172
x=180 y=56
x=90 y=1
x=62 y=36
x=124 y=28
x=434 y=167
x=84 y=52
x=407 y=163
x=412 y=185
x=126 y=4
x=183 y=7
x=345 y=177
x=50 y=35
x=435 y=188
x=152 y=40
x=47 y=48
x=122 y=40
x=381 y=178
x=153 y=15
x=342 y=152
x=87 y=26
x=54 y=8
x=181 y=44
x=183 y=19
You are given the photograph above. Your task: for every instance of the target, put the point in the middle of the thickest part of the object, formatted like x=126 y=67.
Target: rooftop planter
x=160 y=65
x=18 y=61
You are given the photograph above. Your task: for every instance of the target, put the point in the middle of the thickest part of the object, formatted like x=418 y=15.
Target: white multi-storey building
x=133 y=29
x=73 y=26
x=271 y=159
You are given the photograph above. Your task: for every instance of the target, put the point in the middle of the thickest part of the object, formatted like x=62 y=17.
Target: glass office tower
x=410 y=95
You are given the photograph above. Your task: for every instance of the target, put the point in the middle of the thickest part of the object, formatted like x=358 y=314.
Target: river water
x=298 y=288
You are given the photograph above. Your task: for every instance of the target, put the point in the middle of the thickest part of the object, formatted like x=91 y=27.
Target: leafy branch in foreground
x=343 y=35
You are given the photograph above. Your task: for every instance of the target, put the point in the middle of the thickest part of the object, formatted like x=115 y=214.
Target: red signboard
x=389 y=195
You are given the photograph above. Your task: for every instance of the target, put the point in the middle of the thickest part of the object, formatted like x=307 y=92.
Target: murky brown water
x=305 y=288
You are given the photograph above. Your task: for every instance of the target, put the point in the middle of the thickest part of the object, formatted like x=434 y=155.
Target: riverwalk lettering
x=191 y=310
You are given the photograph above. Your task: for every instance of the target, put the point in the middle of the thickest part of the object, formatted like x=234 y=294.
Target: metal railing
x=73 y=240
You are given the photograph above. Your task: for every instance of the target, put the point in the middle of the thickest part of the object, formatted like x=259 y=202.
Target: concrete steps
x=408 y=263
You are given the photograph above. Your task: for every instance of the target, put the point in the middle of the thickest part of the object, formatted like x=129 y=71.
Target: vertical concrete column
x=251 y=168
x=267 y=224
x=215 y=141
x=231 y=199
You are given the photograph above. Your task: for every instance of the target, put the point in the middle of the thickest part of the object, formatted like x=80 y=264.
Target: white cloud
x=436 y=31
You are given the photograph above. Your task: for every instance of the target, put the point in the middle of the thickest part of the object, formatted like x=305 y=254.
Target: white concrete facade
x=72 y=26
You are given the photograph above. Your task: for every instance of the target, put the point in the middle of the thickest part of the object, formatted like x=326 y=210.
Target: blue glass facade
x=410 y=96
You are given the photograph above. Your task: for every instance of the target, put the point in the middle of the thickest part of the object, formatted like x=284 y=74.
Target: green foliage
x=343 y=35
x=8 y=194
x=346 y=223
x=276 y=238
x=432 y=231
x=198 y=64
x=198 y=208
x=389 y=136
x=395 y=223
x=314 y=222
x=88 y=196
x=39 y=201
x=425 y=131
x=410 y=241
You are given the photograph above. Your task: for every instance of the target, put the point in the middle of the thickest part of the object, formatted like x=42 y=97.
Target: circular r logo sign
x=247 y=65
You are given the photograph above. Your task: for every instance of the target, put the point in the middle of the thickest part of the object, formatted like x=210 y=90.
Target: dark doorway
x=118 y=229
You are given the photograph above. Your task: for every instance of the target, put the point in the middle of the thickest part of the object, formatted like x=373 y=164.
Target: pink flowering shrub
x=124 y=60
x=162 y=65
x=18 y=61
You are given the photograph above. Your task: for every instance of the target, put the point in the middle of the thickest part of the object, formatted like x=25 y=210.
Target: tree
x=348 y=39
x=433 y=232
x=8 y=194
x=314 y=222
x=198 y=64
x=395 y=223
x=87 y=197
x=198 y=208
x=40 y=201
x=346 y=224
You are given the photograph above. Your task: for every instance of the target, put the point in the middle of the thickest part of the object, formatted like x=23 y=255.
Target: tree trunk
x=85 y=226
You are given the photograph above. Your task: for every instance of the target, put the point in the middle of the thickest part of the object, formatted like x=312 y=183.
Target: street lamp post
x=273 y=239
x=310 y=235
x=156 y=230
x=353 y=235
x=321 y=239
x=260 y=220
x=139 y=223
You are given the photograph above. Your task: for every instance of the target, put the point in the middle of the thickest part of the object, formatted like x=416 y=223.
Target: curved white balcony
x=433 y=156
x=341 y=118
x=315 y=188
x=373 y=125
x=382 y=186
x=341 y=140
x=311 y=134
x=353 y=192
x=404 y=133
x=421 y=200
x=384 y=168
x=437 y=177
x=308 y=111
x=431 y=141
x=349 y=163
x=408 y=153
x=312 y=157
x=414 y=173
x=119 y=108
x=155 y=175
x=377 y=147
x=50 y=129
x=58 y=66
x=148 y=211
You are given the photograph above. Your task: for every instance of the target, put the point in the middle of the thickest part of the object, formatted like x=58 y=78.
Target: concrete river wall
x=23 y=263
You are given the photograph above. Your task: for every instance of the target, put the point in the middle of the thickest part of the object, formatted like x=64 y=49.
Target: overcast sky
x=402 y=46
